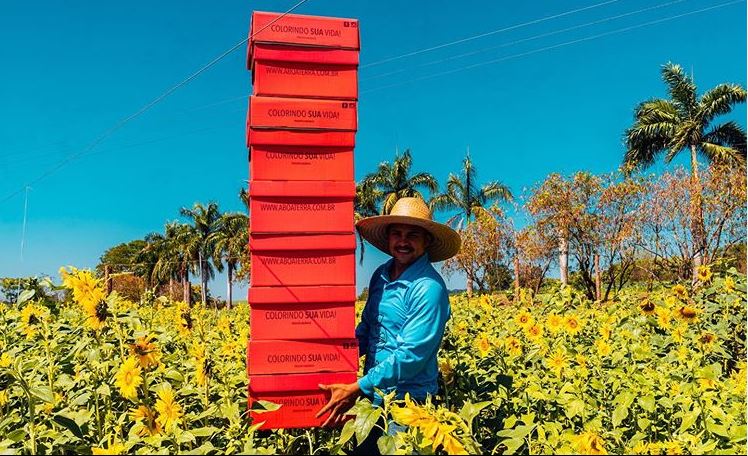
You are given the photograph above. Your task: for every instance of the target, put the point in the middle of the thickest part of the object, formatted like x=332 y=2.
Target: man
x=408 y=306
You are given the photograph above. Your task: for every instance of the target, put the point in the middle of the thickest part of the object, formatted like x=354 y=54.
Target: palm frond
x=495 y=190
x=720 y=100
x=680 y=87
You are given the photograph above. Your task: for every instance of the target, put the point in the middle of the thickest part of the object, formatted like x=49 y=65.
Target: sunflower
x=534 y=332
x=524 y=319
x=704 y=273
x=447 y=371
x=605 y=331
x=203 y=370
x=128 y=378
x=169 y=410
x=97 y=315
x=647 y=307
x=729 y=284
x=680 y=292
x=145 y=420
x=558 y=362
x=483 y=345
x=663 y=317
x=554 y=323
x=146 y=352
x=112 y=448
x=589 y=443
x=572 y=324
x=5 y=360
x=513 y=346
x=31 y=317
x=706 y=340
x=603 y=348
x=4 y=397
x=678 y=333
x=687 y=313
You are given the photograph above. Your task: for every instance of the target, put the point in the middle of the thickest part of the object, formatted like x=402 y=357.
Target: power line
x=482 y=35
x=523 y=40
x=150 y=104
x=555 y=46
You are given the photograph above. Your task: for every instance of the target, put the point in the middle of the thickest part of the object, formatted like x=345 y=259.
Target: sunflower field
x=659 y=370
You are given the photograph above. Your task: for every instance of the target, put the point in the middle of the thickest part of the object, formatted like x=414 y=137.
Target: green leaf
x=364 y=422
x=16 y=436
x=647 y=402
x=43 y=393
x=512 y=445
x=205 y=448
x=264 y=406
x=469 y=411
x=520 y=432
x=204 y=431
x=386 y=444
x=25 y=296
x=574 y=408
x=718 y=429
x=619 y=414
x=688 y=420
x=347 y=432
x=510 y=422
x=68 y=424
x=738 y=433
x=643 y=423
x=173 y=374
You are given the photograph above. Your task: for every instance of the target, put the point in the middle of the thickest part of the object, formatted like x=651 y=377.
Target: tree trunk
x=563 y=258
x=230 y=279
x=202 y=279
x=697 y=216
x=516 y=275
x=186 y=292
x=171 y=288
x=598 y=290
x=469 y=286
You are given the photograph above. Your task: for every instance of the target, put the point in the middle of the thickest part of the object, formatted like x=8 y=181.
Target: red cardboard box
x=300 y=163
x=304 y=312
x=256 y=137
x=302 y=260
x=302 y=54
x=298 y=395
x=301 y=356
x=301 y=206
x=302 y=113
x=304 y=30
x=310 y=80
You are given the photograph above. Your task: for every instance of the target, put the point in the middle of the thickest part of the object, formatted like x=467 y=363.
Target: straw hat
x=411 y=211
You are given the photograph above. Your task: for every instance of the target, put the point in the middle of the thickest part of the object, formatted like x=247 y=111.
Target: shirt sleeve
x=363 y=328
x=418 y=341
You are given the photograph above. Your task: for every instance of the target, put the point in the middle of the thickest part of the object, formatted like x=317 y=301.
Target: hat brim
x=446 y=242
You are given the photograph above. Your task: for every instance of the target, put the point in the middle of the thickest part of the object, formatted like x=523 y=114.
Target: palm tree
x=230 y=243
x=469 y=198
x=682 y=122
x=367 y=197
x=393 y=181
x=204 y=221
x=172 y=258
x=465 y=195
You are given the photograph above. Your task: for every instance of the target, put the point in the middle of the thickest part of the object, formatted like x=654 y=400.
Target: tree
x=535 y=249
x=123 y=258
x=197 y=241
x=169 y=258
x=682 y=123
x=230 y=241
x=487 y=244
x=465 y=195
x=393 y=181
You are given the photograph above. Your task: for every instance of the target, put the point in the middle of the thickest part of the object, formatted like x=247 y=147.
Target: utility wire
x=555 y=46
x=149 y=105
x=523 y=40
x=482 y=35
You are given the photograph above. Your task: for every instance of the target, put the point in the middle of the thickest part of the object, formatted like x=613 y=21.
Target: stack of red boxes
x=301 y=130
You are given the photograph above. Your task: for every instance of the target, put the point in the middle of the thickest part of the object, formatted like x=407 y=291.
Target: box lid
x=259 y=242
x=302 y=113
x=297 y=382
x=289 y=295
x=305 y=30
x=306 y=189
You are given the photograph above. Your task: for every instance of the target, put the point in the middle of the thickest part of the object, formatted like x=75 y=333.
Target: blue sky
x=528 y=101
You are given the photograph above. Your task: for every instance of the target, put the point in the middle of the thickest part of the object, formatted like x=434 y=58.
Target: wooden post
x=598 y=288
x=563 y=257
x=107 y=279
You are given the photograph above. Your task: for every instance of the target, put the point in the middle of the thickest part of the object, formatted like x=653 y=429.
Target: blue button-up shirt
x=401 y=330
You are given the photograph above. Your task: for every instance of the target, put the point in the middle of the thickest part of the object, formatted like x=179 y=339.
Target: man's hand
x=342 y=398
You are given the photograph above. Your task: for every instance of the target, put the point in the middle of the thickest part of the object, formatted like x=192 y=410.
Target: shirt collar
x=411 y=273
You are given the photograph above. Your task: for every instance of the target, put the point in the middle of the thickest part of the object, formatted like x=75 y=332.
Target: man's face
x=407 y=242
